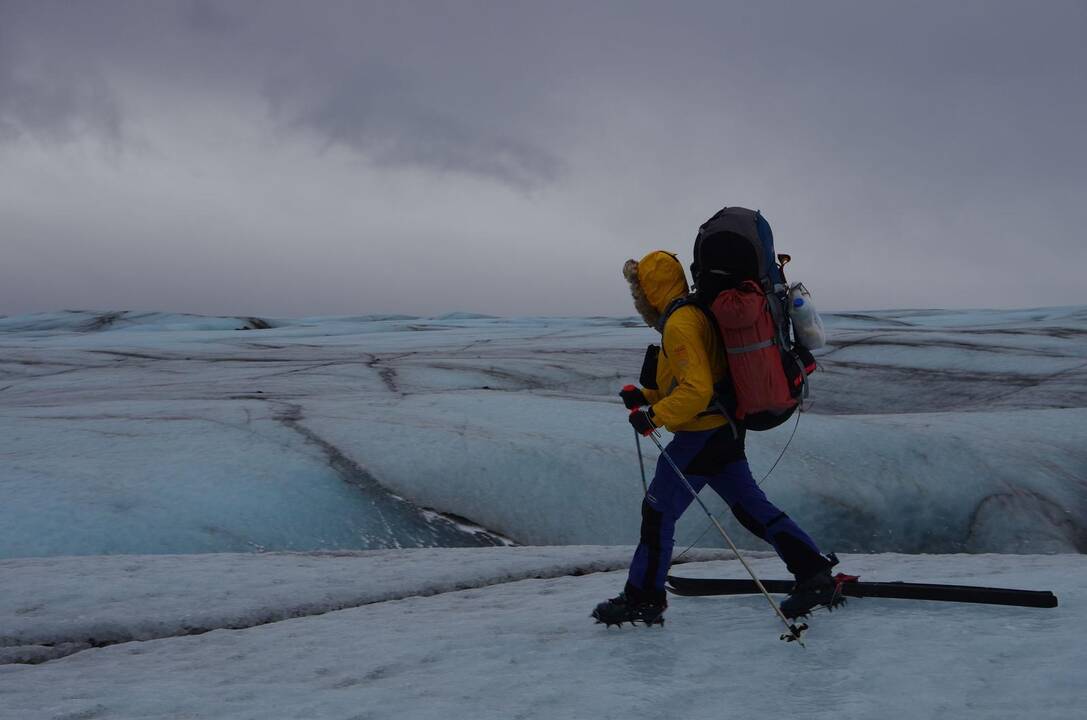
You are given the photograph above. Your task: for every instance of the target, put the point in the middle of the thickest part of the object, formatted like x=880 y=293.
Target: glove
x=642 y=421
x=632 y=397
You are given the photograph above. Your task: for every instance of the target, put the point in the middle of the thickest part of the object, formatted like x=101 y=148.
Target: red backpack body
x=749 y=333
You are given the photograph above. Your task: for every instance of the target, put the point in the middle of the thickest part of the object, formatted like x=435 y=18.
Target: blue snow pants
x=668 y=498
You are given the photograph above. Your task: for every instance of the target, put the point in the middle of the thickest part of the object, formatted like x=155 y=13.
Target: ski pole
x=641 y=462
x=769 y=472
x=794 y=631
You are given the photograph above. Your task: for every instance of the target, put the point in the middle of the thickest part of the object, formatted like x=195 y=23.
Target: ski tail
x=851 y=587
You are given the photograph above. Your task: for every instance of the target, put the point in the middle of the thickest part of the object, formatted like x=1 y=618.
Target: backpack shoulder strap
x=683 y=302
x=717 y=404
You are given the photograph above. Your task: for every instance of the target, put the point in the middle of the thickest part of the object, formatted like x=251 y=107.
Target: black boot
x=632 y=606
x=817 y=589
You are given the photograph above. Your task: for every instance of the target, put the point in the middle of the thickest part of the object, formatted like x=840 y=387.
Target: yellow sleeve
x=689 y=361
x=651 y=396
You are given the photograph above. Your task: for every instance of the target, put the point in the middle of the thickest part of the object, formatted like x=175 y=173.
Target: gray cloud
x=378 y=112
x=907 y=154
x=49 y=101
x=383 y=105
x=205 y=16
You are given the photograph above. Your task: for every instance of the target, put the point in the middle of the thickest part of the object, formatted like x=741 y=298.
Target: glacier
x=504 y=632
x=136 y=433
x=393 y=516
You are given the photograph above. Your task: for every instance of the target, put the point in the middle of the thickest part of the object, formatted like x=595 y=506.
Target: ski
x=851 y=586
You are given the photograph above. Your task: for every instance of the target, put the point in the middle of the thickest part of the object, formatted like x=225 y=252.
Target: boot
x=632 y=606
x=813 y=591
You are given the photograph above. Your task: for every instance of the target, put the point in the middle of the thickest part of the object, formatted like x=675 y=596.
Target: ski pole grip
x=642 y=423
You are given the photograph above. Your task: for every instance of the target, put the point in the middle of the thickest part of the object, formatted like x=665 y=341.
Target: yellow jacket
x=691 y=358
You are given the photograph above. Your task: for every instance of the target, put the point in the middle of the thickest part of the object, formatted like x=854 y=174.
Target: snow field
x=929 y=431
x=527 y=649
x=54 y=606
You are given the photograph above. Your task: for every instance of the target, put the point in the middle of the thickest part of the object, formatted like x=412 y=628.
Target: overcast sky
x=302 y=158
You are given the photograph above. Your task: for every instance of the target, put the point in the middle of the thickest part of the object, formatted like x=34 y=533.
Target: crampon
x=621 y=609
x=805 y=600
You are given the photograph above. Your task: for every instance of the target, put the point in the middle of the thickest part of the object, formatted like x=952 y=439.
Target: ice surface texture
x=53 y=607
x=929 y=431
x=527 y=649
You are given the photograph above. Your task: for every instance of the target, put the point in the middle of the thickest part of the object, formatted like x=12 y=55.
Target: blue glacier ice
x=928 y=431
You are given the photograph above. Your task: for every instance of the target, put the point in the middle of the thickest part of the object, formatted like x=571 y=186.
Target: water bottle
x=807 y=327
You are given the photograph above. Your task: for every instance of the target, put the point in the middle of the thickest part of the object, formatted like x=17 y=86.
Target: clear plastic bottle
x=807 y=327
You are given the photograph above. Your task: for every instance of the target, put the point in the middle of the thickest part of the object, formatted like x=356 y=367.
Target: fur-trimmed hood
x=655 y=281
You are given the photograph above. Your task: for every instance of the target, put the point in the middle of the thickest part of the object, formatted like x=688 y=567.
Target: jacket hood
x=655 y=281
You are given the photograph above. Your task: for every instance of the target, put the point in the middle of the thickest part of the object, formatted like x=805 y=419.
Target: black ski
x=852 y=587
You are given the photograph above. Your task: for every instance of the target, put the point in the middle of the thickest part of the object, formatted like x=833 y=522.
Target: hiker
x=707 y=445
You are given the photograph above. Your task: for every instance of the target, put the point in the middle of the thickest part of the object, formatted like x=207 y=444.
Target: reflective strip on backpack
x=751 y=348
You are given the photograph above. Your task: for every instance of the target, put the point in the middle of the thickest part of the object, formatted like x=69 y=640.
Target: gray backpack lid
x=736 y=242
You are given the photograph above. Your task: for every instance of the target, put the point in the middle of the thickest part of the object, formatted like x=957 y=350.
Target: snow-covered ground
x=53 y=607
x=153 y=465
x=525 y=648
x=929 y=431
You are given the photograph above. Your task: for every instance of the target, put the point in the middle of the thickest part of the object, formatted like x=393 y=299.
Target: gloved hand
x=642 y=421
x=632 y=397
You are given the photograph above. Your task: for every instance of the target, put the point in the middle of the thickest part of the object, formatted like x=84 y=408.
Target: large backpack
x=740 y=285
